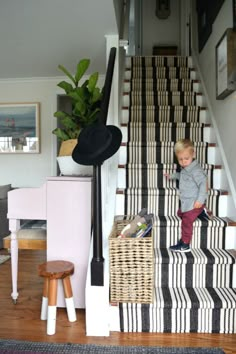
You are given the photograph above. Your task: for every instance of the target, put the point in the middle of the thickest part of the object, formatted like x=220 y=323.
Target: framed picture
x=206 y=15
x=234 y=14
x=19 y=128
x=226 y=64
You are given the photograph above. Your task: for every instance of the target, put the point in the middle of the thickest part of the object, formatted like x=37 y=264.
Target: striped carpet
x=193 y=291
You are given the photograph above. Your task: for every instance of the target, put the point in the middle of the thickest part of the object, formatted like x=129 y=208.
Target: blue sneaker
x=181 y=247
x=205 y=215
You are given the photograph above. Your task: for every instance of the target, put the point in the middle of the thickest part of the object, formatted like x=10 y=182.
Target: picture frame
x=206 y=15
x=234 y=14
x=20 y=128
x=226 y=64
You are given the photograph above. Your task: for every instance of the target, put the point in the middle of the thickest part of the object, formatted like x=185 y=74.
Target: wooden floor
x=22 y=320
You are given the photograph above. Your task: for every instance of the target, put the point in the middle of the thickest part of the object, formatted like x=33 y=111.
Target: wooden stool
x=52 y=271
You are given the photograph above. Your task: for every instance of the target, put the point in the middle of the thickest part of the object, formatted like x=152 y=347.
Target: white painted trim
x=230 y=237
x=97 y=302
x=52 y=79
x=22 y=80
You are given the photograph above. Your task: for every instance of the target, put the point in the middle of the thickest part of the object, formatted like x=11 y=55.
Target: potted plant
x=85 y=105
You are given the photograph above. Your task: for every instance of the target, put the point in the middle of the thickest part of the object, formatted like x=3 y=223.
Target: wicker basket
x=131 y=267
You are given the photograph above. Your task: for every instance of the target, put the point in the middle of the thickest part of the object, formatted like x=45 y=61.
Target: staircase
x=194 y=292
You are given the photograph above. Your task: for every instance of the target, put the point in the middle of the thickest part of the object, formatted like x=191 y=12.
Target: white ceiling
x=37 y=35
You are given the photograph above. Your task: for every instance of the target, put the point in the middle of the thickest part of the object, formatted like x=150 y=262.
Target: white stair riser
x=230 y=238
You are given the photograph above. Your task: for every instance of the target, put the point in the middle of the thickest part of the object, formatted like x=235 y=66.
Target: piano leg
x=14 y=225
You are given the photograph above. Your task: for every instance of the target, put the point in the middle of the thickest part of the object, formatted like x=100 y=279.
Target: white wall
x=31 y=170
x=37 y=35
x=118 y=6
x=160 y=32
x=24 y=170
x=223 y=111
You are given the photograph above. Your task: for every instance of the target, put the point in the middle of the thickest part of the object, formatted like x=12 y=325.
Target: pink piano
x=65 y=203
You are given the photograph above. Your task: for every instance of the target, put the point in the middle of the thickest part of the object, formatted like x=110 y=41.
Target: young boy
x=192 y=190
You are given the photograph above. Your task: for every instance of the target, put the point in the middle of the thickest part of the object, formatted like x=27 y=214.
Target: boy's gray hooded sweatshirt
x=192 y=185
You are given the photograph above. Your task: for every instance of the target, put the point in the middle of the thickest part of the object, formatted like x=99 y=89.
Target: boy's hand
x=197 y=205
x=167 y=175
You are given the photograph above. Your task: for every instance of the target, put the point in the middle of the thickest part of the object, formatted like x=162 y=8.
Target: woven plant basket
x=131 y=267
x=67 y=147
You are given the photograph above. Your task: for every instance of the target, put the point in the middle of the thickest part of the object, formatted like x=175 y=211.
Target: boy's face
x=185 y=157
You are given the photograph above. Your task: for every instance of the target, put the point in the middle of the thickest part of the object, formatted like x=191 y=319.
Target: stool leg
x=44 y=307
x=69 y=299
x=52 y=307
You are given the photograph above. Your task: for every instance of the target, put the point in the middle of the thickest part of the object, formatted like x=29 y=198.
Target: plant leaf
x=66 y=86
x=65 y=71
x=80 y=108
x=92 y=82
x=82 y=66
x=61 y=134
x=61 y=115
x=96 y=95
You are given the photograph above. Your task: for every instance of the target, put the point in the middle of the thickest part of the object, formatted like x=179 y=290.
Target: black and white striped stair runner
x=193 y=291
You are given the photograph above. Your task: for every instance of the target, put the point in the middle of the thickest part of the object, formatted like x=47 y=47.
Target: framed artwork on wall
x=19 y=128
x=207 y=11
x=226 y=64
x=234 y=15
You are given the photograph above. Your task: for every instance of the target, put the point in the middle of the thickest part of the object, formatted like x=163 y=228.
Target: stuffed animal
x=141 y=218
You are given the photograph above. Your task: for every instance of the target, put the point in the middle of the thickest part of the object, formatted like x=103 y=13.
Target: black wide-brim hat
x=97 y=143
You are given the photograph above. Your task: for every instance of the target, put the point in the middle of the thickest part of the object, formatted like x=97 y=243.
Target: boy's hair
x=183 y=144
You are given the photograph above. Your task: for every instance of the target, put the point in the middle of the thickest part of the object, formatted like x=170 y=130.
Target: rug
x=14 y=346
x=4 y=258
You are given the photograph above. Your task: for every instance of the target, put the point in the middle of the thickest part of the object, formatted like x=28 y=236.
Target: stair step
x=165 y=201
x=172 y=191
x=163 y=81
x=197 y=256
x=219 y=232
x=207 y=298
x=162 y=166
x=177 y=321
x=161 y=73
x=211 y=157
x=151 y=113
x=163 y=99
x=170 y=85
x=162 y=152
x=136 y=175
x=166 y=124
x=165 y=114
x=217 y=203
x=198 y=268
x=161 y=60
x=152 y=107
x=202 y=310
x=166 y=131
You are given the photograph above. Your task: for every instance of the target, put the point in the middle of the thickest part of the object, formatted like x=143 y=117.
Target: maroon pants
x=188 y=219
